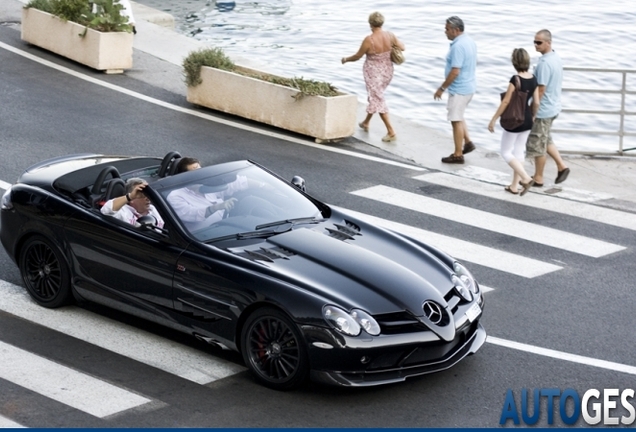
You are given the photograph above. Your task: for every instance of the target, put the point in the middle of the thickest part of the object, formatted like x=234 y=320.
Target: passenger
x=133 y=205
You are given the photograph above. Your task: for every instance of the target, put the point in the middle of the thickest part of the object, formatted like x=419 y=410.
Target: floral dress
x=378 y=73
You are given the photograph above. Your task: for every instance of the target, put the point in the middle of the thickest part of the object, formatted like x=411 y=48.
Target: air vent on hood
x=344 y=232
x=264 y=254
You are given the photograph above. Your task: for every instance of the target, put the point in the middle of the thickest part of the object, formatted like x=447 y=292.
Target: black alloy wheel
x=45 y=273
x=274 y=350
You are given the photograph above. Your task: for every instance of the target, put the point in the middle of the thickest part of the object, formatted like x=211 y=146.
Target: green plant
x=216 y=58
x=211 y=57
x=100 y=15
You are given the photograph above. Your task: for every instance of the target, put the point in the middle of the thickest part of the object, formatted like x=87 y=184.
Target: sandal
x=363 y=127
x=389 y=138
x=507 y=189
x=526 y=187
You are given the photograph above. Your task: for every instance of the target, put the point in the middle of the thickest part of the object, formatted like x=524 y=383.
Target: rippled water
x=308 y=38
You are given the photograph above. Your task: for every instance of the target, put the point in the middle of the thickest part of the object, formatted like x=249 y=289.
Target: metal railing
x=621 y=133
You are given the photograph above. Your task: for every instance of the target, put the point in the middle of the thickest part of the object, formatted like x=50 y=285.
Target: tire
x=45 y=273
x=274 y=350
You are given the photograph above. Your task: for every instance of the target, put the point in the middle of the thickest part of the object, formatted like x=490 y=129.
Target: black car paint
x=209 y=289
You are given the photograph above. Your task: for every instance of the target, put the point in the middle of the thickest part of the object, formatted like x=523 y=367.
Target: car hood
x=354 y=264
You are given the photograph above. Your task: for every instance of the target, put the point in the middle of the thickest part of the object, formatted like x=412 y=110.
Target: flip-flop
x=507 y=189
x=363 y=127
x=526 y=187
x=562 y=176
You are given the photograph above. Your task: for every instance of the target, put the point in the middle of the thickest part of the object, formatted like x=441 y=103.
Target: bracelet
x=442 y=88
x=128 y=197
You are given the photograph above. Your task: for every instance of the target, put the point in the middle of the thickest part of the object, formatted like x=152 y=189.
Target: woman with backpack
x=517 y=117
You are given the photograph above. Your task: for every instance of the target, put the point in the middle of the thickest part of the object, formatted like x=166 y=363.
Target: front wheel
x=45 y=273
x=274 y=350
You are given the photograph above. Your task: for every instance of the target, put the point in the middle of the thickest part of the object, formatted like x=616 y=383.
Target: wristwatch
x=128 y=197
x=442 y=88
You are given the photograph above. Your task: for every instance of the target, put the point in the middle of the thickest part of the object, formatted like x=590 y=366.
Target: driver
x=133 y=205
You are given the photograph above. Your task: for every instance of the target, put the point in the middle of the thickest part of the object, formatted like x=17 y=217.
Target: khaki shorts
x=540 y=137
x=456 y=106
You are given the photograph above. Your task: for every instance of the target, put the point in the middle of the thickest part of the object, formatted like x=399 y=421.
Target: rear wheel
x=45 y=273
x=274 y=350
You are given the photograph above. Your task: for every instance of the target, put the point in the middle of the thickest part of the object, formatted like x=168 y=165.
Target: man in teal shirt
x=461 y=62
x=549 y=73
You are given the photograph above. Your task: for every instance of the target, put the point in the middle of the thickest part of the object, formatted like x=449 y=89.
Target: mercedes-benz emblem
x=432 y=311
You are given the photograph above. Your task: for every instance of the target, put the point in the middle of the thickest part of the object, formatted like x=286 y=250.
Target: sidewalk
x=606 y=181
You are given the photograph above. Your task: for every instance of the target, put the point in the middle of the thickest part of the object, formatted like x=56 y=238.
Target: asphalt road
x=583 y=308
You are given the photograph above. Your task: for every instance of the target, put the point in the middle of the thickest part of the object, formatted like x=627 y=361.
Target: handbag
x=515 y=113
x=397 y=55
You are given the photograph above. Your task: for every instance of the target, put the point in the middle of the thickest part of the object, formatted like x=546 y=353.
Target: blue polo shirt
x=462 y=54
x=549 y=72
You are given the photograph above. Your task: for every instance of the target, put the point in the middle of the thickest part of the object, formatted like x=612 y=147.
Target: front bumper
x=395 y=364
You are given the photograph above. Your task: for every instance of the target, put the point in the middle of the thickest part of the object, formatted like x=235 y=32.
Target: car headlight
x=350 y=323
x=6 y=203
x=464 y=281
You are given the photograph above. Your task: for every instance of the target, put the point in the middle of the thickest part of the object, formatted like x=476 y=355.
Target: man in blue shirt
x=461 y=62
x=549 y=73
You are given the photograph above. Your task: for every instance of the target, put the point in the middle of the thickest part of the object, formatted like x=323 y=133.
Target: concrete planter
x=324 y=118
x=110 y=52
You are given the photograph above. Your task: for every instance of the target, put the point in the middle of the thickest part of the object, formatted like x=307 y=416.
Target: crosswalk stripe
x=145 y=347
x=489 y=221
x=63 y=384
x=571 y=208
x=466 y=251
x=8 y=423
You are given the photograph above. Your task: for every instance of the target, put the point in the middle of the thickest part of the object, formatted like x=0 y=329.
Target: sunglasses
x=538 y=42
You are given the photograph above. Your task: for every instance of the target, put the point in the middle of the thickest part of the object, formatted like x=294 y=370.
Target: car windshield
x=244 y=201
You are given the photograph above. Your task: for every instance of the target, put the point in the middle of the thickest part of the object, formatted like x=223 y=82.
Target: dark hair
x=520 y=60
x=456 y=22
x=184 y=163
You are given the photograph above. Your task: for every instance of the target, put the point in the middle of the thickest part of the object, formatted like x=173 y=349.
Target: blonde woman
x=377 y=71
x=513 y=142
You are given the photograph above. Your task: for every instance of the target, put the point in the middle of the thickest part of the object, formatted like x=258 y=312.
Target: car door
x=114 y=259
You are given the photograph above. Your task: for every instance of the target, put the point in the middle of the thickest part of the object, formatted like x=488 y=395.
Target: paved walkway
x=606 y=181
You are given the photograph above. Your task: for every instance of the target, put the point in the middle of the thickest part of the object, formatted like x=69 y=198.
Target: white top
x=128 y=213
x=191 y=205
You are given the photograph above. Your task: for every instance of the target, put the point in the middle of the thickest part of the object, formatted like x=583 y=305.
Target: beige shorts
x=540 y=137
x=456 y=106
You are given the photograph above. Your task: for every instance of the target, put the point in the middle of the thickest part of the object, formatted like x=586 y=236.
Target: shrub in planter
x=95 y=33
x=216 y=58
x=309 y=107
x=100 y=15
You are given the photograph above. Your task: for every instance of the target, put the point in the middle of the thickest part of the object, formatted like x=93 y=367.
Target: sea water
x=308 y=38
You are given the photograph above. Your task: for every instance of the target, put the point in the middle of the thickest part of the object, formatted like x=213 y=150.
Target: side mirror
x=147 y=222
x=299 y=182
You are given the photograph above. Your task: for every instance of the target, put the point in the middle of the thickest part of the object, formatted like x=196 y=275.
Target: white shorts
x=456 y=106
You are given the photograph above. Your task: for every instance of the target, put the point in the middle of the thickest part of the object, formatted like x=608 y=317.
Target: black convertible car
x=300 y=288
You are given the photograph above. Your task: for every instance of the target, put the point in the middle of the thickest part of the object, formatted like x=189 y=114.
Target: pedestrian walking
x=461 y=62
x=513 y=140
x=377 y=71
x=549 y=73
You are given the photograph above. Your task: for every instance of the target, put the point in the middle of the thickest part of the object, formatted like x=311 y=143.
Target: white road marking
x=8 y=423
x=64 y=384
x=490 y=221
x=485 y=289
x=4 y=185
x=560 y=355
x=466 y=251
x=571 y=208
x=204 y=115
x=499 y=177
x=153 y=350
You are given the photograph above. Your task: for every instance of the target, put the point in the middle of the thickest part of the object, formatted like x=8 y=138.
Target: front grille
x=398 y=323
